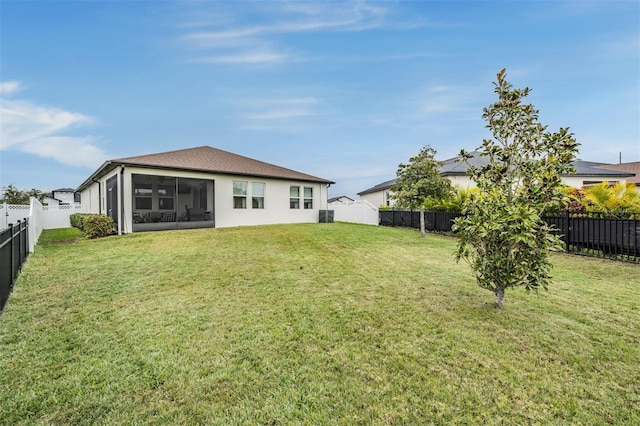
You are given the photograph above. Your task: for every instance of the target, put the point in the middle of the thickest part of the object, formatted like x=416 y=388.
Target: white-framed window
x=308 y=197
x=239 y=194
x=143 y=193
x=166 y=196
x=257 y=195
x=294 y=197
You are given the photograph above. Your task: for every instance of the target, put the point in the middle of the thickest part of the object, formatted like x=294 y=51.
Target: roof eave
x=110 y=165
x=102 y=170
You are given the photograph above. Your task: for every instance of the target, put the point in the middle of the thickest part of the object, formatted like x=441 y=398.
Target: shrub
x=76 y=220
x=93 y=225
x=98 y=225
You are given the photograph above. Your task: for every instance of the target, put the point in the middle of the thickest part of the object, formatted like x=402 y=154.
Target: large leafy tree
x=502 y=235
x=12 y=195
x=419 y=182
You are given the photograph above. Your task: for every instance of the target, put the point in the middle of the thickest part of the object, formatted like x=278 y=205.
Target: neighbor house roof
x=204 y=159
x=64 y=190
x=590 y=168
x=379 y=187
x=633 y=167
x=452 y=167
x=332 y=199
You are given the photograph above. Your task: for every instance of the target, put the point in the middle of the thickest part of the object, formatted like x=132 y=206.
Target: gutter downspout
x=99 y=194
x=121 y=209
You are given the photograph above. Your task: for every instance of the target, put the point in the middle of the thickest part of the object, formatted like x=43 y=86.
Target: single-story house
x=633 y=167
x=586 y=173
x=61 y=196
x=201 y=187
x=340 y=199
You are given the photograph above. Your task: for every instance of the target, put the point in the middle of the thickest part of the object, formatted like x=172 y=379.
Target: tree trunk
x=422 y=231
x=499 y=297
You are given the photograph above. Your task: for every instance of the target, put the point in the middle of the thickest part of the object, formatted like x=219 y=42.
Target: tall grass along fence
x=14 y=249
x=589 y=234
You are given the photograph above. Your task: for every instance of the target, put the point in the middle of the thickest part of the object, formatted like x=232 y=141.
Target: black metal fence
x=433 y=221
x=599 y=234
x=14 y=249
x=590 y=234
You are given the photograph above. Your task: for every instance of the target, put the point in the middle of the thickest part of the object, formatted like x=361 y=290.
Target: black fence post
x=20 y=245
x=12 y=253
x=567 y=233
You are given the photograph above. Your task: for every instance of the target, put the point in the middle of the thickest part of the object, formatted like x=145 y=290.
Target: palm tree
x=618 y=198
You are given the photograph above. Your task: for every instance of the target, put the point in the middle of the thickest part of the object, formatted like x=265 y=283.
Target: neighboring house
x=379 y=195
x=633 y=167
x=340 y=199
x=201 y=187
x=586 y=173
x=63 y=195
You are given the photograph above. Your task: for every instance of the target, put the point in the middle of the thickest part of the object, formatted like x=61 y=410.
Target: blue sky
x=341 y=90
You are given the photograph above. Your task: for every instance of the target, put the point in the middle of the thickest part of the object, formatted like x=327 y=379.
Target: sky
x=345 y=91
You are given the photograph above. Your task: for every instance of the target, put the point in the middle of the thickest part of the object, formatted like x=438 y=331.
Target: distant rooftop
x=633 y=167
x=451 y=167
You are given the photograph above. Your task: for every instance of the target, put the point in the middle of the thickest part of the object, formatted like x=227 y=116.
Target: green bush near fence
x=93 y=225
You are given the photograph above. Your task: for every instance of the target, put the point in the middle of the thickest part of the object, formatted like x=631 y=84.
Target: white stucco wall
x=64 y=197
x=276 y=203
x=89 y=198
x=378 y=198
x=462 y=181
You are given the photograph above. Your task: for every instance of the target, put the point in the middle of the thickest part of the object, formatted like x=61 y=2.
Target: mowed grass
x=310 y=324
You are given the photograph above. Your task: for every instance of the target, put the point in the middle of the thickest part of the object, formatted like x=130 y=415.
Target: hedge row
x=93 y=225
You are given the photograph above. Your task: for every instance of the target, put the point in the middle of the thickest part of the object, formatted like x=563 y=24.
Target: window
x=239 y=195
x=294 y=197
x=308 y=197
x=257 y=195
x=165 y=196
x=144 y=195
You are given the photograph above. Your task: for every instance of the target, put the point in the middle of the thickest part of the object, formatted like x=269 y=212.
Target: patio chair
x=168 y=217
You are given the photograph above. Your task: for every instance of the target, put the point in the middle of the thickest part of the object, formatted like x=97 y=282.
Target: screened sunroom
x=167 y=202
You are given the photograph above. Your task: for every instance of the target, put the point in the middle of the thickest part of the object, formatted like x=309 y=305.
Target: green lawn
x=310 y=324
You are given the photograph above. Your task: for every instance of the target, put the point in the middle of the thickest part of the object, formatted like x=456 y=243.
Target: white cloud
x=9 y=87
x=72 y=151
x=245 y=58
x=278 y=114
x=279 y=18
x=35 y=129
x=23 y=121
x=440 y=99
x=280 y=108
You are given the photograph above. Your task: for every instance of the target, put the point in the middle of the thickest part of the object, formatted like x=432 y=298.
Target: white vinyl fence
x=40 y=217
x=355 y=212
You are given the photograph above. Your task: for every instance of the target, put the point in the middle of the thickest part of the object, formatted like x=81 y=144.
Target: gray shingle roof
x=451 y=167
x=379 y=187
x=582 y=168
x=332 y=199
